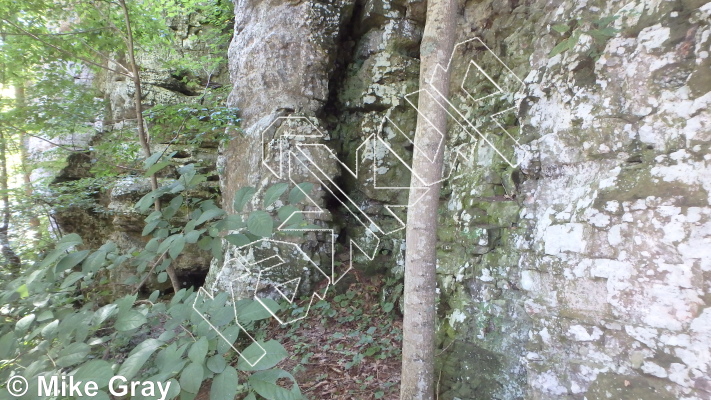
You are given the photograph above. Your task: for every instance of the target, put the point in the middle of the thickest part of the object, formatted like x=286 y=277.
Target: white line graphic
x=287 y=147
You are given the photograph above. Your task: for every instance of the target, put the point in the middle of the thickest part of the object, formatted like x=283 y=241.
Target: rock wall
x=114 y=217
x=574 y=227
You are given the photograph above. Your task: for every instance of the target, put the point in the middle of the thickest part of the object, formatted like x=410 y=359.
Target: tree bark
x=11 y=258
x=13 y=262
x=417 y=381
x=142 y=136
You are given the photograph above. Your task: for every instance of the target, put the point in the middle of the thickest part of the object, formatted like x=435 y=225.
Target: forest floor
x=347 y=347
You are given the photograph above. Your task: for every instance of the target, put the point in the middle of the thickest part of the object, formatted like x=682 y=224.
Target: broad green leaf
x=59 y=251
x=299 y=192
x=94 y=262
x=177 y=247
x=206 y=243
x=216 y=248
x=177 y=297
x=150 y=226
x=254 y=357
x=191 y=377
x=162 y=277
x=561 y=28
x=198 y=351
x=152 y=159
x=147 y=201
x=237 y=239
x=156 y=167
x=208 y=215
x=23 y=291
x=257 y=311
x=193 y=236
x=290 y=213
x=223 y=316
x=24 y=323
x=274 y=192
x=216 y=364
x=242 y=196
x=72 y=354
x=224 y=385
x=170 y=359
x=228 y=337
x=130 y=320
x=7 y=345
x=71 y=260
x=174 y=389
x=265 y=384
x=138 y=358
x=260 y=223
x=231 y=223
x=45 y=315
x=165 y=245
x=71 y=279
x=154 y=215
x=125 y=303
x=177 y=201
x=72 y=239
x=98 y=371
x=559 y=48
x=103 y=314
x=49 y=330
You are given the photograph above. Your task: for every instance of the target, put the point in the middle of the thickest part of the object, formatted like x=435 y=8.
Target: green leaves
x=598 y=30
x=273 y=193
x=299 y=192
x=198 y=351
x=560 y=28
x=564 y=45
x=156 y=167
x=265 y=384
x=71 y=260
x=72 y=354
x=98 y=371
x=260 y=356
x=129 y=320
x=224 y=385
x=138 y=358
x=191 y=377
x=208 y=215
x=242 y=196
x=260 y=223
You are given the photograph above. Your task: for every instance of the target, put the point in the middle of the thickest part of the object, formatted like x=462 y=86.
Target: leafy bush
x=58 y=318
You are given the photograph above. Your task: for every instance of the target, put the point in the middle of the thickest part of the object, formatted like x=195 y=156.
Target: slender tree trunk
x=142 y=135
x=13 y=262
x=35 y=225
x=417 y=381
x=11 y=258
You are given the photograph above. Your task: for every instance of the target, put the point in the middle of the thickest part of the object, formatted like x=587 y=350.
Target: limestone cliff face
x=574 y=227
x=118 y=220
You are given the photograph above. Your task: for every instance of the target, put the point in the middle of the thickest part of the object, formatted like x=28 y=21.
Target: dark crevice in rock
x=345 y=45
x=176 y=86
x=192 y=278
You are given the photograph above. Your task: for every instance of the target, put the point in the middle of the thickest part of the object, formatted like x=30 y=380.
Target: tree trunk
x=11 y=258
x=142 y=136
x=417 y=381
x=12 y=261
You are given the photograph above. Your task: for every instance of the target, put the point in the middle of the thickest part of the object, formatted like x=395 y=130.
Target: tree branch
x=34 y=36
